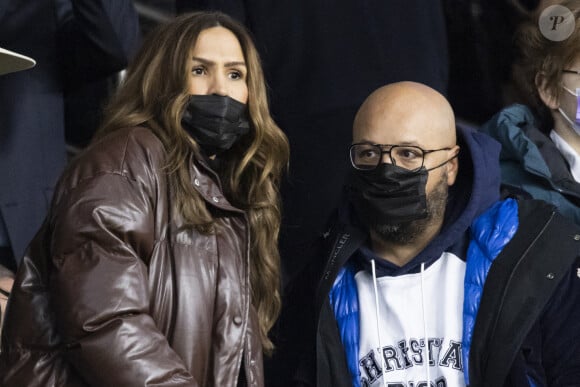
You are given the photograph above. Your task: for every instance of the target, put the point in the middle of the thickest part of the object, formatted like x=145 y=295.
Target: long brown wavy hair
x=154 y=94
x=537 y=54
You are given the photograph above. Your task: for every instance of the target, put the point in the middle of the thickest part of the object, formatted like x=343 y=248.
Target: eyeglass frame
x=577 y=72
x=381 y=146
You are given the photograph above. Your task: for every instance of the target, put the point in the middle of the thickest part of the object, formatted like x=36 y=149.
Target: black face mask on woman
x=388 y=194
x=215 y=122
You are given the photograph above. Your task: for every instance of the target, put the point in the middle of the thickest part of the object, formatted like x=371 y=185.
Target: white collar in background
x=11 y=61
x=569 y=154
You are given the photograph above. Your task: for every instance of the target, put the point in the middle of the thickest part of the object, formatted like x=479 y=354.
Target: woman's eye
x=236 y=75
x=198 y=71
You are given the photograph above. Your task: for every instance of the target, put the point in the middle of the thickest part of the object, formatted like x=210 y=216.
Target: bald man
x=427 y=278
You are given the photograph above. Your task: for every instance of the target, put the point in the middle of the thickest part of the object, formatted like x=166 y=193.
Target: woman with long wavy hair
x=158 y=262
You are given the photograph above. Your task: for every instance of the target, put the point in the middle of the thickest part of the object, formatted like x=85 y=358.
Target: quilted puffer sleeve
x=490 y=232
x=102 y=235
x=344 y=302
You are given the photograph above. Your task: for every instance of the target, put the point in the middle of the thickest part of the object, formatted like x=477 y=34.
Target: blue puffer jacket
x=530 y=161
x=490 y=233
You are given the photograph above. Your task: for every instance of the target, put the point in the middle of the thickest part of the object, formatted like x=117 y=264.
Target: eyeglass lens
x=369 y=156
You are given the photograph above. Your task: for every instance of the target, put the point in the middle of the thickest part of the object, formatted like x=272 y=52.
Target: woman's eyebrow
x=208 y=62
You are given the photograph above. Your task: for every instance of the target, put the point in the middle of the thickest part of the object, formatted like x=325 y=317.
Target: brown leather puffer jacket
x=113 y=292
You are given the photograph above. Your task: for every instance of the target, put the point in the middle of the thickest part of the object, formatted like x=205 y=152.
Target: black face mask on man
x=215 y=122
x=388 y=194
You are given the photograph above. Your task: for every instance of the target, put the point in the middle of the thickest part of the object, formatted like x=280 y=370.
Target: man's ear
x=453 y=165
x=547 y=95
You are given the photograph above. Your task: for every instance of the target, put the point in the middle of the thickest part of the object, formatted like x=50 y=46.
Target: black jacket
x=529 y=310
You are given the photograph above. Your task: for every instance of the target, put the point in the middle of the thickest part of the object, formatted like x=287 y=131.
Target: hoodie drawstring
x=377 y=314
x=425 y=325
x=383 y=365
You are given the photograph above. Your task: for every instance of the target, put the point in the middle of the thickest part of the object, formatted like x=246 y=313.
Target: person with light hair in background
x=540 y=138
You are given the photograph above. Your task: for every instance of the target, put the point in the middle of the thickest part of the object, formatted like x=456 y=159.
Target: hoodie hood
x=477 y=187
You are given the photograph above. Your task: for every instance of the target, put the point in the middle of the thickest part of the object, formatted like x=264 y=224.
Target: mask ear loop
x=574 y=124
x=577 y=95
x=578 y=105
x=570 y=91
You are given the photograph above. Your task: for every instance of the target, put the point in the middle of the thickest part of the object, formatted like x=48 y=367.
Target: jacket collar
x=522 y=142
x=344 y=240
x=208 y=184
x=560 y=177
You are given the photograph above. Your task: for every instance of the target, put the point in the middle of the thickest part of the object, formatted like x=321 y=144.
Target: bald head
x=406 y=113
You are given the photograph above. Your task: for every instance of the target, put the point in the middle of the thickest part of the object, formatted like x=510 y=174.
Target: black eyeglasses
x=365 y=156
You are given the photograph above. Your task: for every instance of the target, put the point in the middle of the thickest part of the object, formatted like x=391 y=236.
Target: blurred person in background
x=76 y=43
x=9 y=62
x=477 y=30
x=541 y=138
